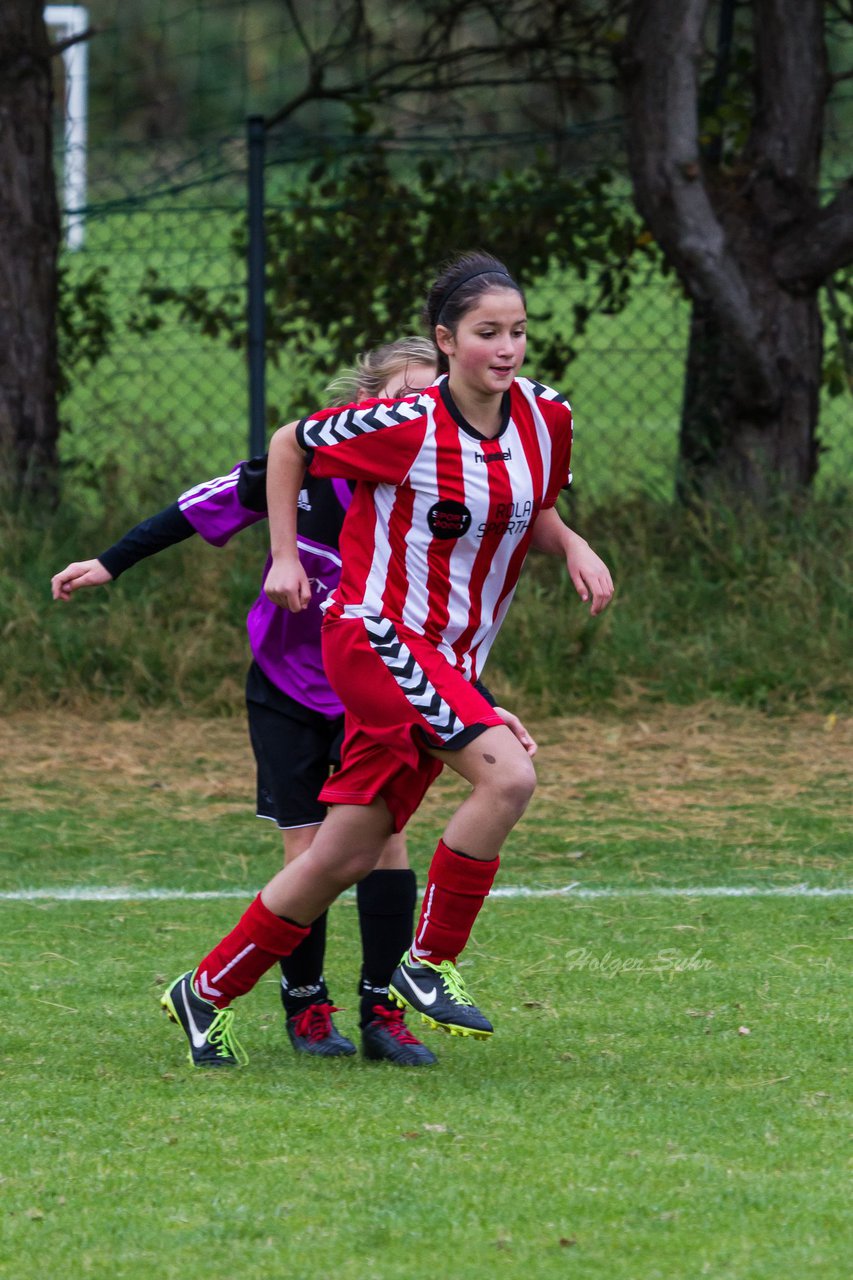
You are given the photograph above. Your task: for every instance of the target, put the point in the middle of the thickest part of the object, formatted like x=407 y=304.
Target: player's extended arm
x=215 y=510
x=588 y=572
x=145 y=539
x=286 y=583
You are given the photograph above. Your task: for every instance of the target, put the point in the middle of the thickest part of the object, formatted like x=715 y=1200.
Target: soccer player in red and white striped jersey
x=437 y=536
x=452 y=488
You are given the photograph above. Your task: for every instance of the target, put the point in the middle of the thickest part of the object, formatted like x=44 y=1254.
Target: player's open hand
x=512 y=722
x=590 y=576
x=287 y=584
x=83 y=573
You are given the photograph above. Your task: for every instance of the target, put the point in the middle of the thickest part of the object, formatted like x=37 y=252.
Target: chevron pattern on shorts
x=356 y=422
x=411 y=678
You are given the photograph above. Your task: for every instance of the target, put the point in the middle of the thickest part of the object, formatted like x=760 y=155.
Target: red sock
x=243 y=956
x=456 y=889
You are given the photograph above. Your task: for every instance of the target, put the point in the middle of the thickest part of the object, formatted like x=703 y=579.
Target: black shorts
x=295 y=750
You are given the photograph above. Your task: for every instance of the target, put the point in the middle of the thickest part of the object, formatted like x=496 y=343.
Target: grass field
x=664 y=1096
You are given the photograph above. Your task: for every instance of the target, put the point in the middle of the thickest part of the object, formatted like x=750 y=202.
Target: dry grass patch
x=47 y=757
x=677 y=773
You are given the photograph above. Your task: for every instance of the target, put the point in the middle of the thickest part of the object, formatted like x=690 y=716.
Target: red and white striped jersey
x=442 y=518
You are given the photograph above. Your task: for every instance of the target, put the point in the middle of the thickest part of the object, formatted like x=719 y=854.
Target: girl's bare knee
x=510 y=789
x=522 y=787
x=341 y=868
x=357 y=864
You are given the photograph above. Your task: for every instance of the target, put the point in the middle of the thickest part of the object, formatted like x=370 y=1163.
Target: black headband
x=486 y=271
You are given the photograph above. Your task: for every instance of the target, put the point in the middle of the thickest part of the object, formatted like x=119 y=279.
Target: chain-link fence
x=163 y=402
x=160 y=398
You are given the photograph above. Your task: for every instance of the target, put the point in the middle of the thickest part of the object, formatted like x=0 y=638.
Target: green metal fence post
x=256 y=288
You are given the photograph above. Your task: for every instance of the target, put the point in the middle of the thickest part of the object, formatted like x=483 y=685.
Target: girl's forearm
x=552 y=535
x=285 y=475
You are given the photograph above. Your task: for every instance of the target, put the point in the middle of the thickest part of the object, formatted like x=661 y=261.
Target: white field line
x=125 y=893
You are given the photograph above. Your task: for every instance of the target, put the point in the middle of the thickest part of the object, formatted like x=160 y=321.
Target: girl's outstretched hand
x=82 y=573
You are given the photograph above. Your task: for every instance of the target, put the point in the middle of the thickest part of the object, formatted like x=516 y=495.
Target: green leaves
x=84 y=322
x=352 y=249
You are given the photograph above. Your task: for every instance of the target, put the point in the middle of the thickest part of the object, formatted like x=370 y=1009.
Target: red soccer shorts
x=401 y=696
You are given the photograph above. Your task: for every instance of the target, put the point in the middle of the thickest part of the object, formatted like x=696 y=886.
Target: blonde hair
x=374 y=368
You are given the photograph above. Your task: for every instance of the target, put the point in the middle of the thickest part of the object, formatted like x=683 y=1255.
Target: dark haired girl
x=453 y=487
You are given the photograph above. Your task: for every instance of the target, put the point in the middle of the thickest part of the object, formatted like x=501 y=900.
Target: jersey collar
x=463 y=423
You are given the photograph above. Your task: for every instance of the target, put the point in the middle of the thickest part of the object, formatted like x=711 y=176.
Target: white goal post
x=67 y=21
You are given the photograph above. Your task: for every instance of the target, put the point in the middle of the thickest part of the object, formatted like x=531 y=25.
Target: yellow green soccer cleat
x=437 y=993
x=209 y=1030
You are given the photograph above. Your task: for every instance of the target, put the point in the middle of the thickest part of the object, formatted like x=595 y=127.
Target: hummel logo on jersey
x=505 y=456
x=426 y=997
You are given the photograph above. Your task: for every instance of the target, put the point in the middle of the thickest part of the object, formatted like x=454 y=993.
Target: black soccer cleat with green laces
x=437 y=993
x=209 y=1030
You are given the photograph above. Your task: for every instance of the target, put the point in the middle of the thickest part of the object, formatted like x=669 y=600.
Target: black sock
x=302 y=971
x=386 y=916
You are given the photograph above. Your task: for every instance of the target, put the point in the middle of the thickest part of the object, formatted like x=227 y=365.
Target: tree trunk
x=729 y=444
x=29 y=242
x=745 y=232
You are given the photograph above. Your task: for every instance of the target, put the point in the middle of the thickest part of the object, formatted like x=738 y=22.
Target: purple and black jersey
x=287 y=672
x=285 y=646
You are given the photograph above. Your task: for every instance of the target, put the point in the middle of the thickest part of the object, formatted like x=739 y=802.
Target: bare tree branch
x=456 y=49
x=811 y=254
x=59 y=46
x=301 y=35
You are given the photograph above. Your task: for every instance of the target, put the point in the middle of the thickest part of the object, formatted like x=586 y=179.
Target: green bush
x=752 y=609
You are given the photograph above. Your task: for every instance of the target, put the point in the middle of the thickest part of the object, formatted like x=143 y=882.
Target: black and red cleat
x=313 y=1031
x=386 y=1038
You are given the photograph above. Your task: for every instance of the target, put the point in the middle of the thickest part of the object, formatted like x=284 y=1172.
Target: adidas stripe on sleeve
x=215 y=508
